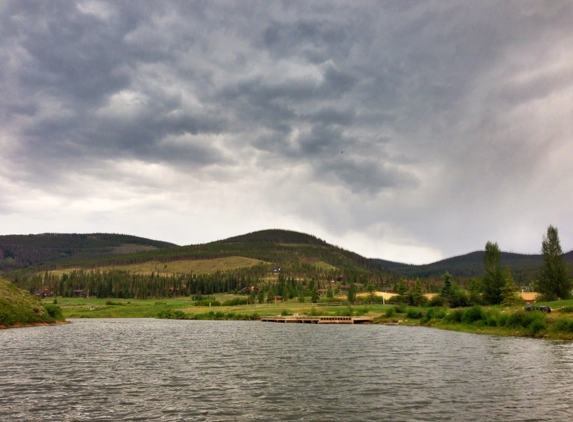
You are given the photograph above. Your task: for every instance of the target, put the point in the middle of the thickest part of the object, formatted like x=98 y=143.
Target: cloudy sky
x=405 y=130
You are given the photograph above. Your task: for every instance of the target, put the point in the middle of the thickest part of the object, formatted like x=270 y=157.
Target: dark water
x=147 y=370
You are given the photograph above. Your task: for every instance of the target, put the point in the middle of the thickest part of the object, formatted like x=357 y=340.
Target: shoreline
x=36 y=324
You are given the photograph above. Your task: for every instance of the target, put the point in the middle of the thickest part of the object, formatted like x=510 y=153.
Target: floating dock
x=303 y=319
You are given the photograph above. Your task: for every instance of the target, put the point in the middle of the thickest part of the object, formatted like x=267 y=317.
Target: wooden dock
x=303 y=319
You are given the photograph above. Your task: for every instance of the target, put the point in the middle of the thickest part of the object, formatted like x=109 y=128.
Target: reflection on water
x=142 y=369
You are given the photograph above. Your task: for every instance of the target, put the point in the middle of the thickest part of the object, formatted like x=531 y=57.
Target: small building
x=79 y=293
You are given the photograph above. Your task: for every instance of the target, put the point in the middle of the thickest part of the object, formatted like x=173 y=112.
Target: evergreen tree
x=493 y=280
x=402 y=291
x=314 y=295
x=416 y=295
x=509 y=294
x=448 y=290
x=554 y=282
x=351 y=293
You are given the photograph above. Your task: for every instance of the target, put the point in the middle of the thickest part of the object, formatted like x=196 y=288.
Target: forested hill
x=523 y=267
x=276 y=236
x=279 y=247
x=22 y=251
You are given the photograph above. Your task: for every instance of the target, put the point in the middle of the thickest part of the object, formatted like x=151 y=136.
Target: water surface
x=163 y=370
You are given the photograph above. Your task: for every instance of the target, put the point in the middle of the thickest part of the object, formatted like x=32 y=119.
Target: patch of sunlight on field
x=198 y=266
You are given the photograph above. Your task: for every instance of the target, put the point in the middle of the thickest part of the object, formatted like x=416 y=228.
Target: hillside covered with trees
x=277 y=262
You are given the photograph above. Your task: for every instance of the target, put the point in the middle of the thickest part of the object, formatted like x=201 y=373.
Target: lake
x=166 y=370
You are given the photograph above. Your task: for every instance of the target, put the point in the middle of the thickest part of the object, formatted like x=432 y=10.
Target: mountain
x=22 y=251
x=292 y=250
x=280 y=247
x=524 y=268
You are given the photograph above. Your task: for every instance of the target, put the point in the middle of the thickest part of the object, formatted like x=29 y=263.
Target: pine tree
x=448 y=288
x=493 y=280
x=509 y=294
x=554 y=282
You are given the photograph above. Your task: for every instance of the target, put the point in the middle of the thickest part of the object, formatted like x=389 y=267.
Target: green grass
x=18 y=307
x=494 y=320
x=195 y=266
x=133 y=308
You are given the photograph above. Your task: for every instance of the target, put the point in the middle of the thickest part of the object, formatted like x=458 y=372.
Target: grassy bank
x=187 y=308
x=19 y=308
x=496 y=320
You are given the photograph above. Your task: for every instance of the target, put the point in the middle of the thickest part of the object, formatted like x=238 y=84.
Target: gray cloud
x=406 y=130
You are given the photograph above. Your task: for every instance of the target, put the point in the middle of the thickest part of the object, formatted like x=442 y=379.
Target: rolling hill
x=297 y=253
x=524 y=268
x=23 y=251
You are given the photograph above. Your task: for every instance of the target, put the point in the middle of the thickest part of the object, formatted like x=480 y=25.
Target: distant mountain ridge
x=56 y=250
x=21 y=251
x=524 y=267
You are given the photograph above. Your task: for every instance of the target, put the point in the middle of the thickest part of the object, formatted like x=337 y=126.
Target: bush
x=519 y=319
x=208 y=302
x=502 y=320
x=437 y=301
x=491 y=321
x=390 y=312
x=455 y=316
x=566 y=309
x=474 y=314
x=110 y=302
x=286 y=312
x=538 y=324
x=235 y=302
x=564 y=325
x=170 y=314
x=534 y=322
x=55 y=312
x=400 y=309
x=434 y=313
x=414 y=313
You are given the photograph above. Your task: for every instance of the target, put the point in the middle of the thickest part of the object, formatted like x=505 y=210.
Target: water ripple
x=157 y=370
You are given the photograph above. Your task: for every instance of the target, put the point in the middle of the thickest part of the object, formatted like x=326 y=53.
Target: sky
x=404 y=130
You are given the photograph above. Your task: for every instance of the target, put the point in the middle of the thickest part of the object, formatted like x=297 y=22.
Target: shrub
x=520 y=319
x=286 y=312
x=110 y=302
x=437 y=301
x=414 y=313
x=566 y=309
x=455 y=316
x=170 y=314
x=502 y=320
x=474 y=314
x=434 y=313
x=400 y=309
x=55 y=312
x=208 y=302
x=491 y=321
x=538 y=324
x=390 y=312
x=235 y=302
x=564 y=325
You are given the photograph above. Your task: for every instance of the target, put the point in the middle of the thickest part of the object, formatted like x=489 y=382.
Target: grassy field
x=197 y=266
x=133 y=308
x=495 y=320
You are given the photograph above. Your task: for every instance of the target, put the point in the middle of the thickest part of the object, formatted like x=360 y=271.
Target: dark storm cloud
x=416 y=109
